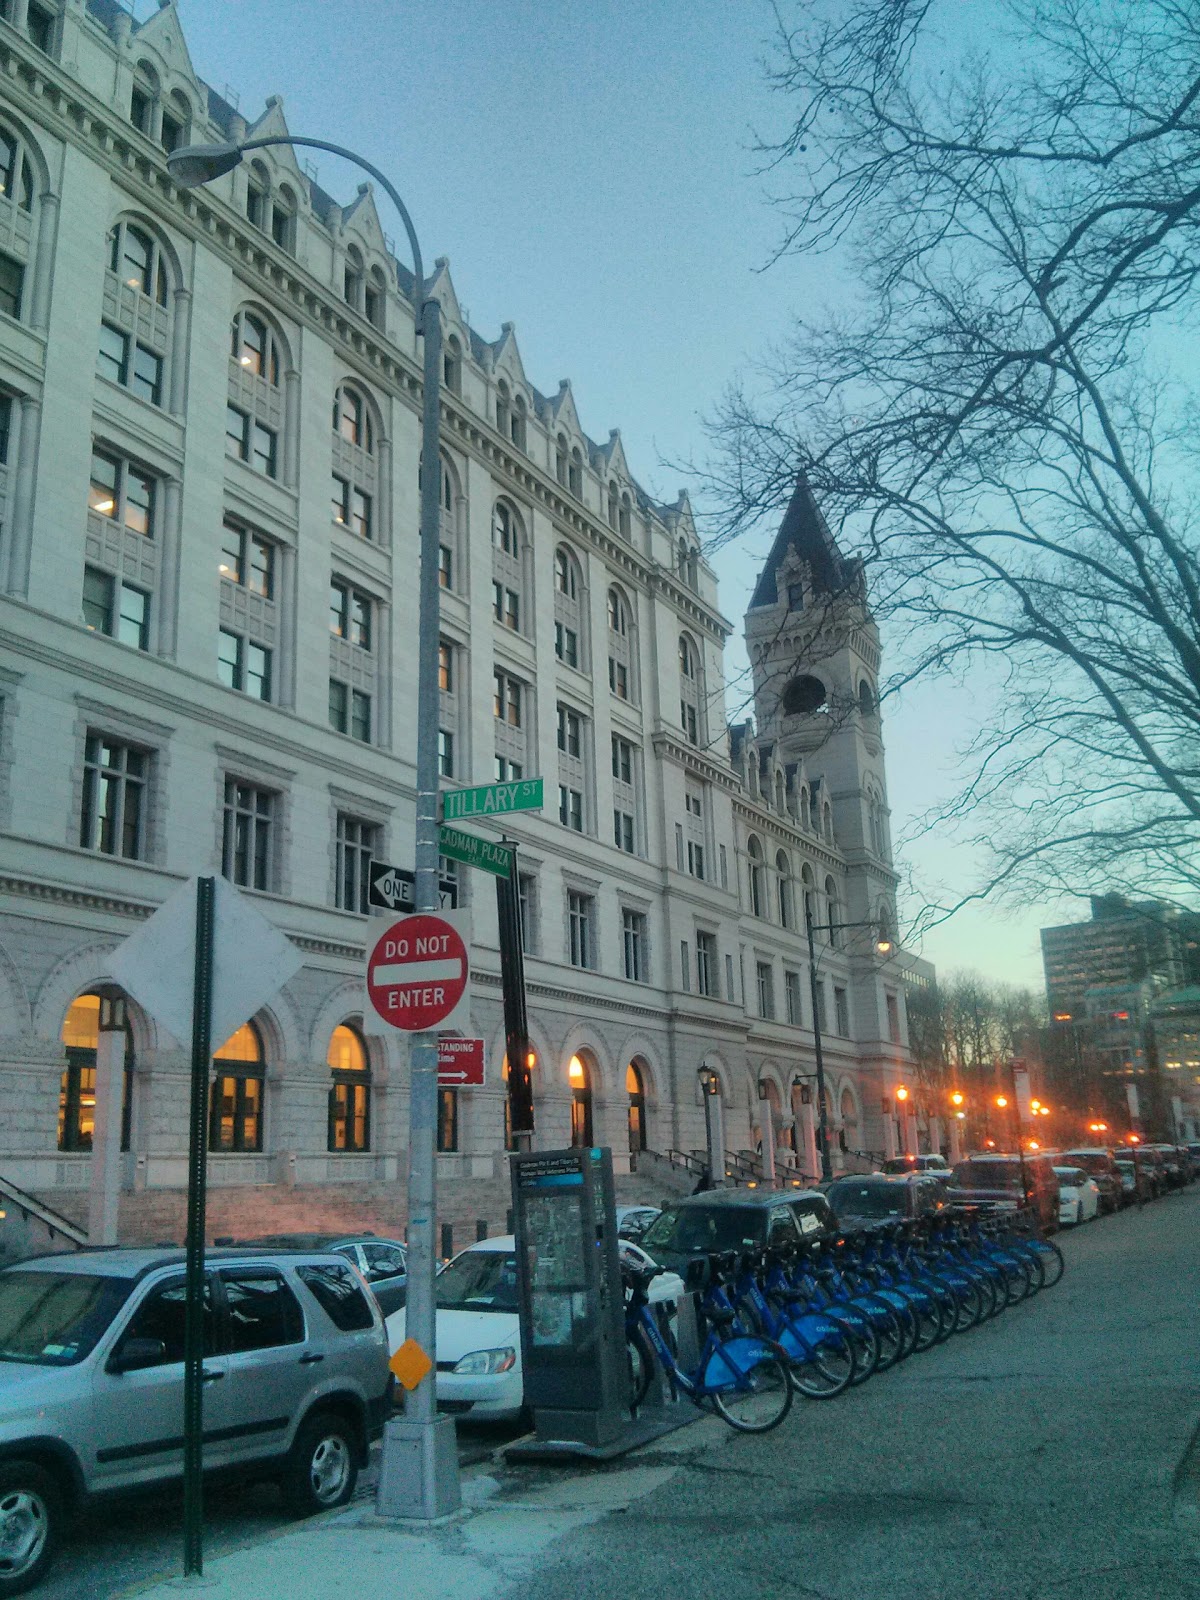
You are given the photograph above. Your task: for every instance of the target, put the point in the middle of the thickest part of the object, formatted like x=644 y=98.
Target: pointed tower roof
x=805 y=532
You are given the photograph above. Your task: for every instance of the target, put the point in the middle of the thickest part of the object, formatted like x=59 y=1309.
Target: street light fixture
x=883 y=947
x=433 y=1489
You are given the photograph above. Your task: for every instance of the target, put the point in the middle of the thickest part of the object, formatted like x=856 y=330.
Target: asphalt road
x=120 y=1547
x=1030 y=1459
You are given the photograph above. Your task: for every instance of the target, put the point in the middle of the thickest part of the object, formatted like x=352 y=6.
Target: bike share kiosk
x=571 y=1299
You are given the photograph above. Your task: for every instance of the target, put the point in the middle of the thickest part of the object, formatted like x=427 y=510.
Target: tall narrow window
x=706 y=962
x=113 y=816
x=580 y=912
x=357 y=846
x=689 y=690
x=236 y=1095
x=633 y=935
x=247 y=851
x=756 y=873
x=349 y=1091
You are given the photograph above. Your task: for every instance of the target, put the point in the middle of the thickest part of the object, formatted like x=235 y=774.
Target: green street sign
x=476 y=852
x=492 y=799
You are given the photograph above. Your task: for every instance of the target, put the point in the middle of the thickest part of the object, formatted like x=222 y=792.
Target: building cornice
x=668 y=747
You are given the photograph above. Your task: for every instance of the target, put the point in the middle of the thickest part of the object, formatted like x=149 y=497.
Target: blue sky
x=589 y=170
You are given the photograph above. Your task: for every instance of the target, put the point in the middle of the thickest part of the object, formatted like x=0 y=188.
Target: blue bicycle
x=742 y=1377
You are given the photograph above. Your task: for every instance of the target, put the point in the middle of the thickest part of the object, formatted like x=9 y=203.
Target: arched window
x=503 y=408
x=689 y=690
x=620 y=655
x=783 y=868
x=508 y=574
x=452 y=364
x=255 y=417
x=803 y=696
x=283 y=218
x=614 y=506
x=827 y=822
x=756 y=875
x=136 y=327
x=354 y=277
x=580 y=1079
x=805 y=807
x=134 y=256
x=681 y=558
x=849 y=1120
x=258 y=195
x=568 y=612
x=16 y=174
x=236 y=1097
x=350 y=1091
x=866 y=699
x=517 y=423
x=176 y=121
x=809 y=889
x=576 y=474
x=254 y=347
x=504 y=529
x=143 y=99
x=835 y=912
x=625 y=518
x=560 y=459
x=77 y=1091
x=354 y=491
x=635 y=1088
x=375 y=298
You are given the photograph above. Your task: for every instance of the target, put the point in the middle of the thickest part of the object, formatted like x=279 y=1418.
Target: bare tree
x=1001 y=417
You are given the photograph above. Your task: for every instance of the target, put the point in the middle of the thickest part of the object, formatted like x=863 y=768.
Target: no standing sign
x=417 y=971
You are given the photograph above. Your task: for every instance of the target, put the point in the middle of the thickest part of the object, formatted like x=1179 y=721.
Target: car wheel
x=31 y=1515
x=322 y=1468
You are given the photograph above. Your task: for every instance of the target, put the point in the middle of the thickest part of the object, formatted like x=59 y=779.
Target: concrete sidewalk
x=507 y=1527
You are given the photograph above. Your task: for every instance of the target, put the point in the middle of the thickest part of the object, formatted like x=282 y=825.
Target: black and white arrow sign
x=392 y=888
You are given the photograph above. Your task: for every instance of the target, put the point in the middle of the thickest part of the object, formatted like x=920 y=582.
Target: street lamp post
x=419 y=1476
x=883 y=946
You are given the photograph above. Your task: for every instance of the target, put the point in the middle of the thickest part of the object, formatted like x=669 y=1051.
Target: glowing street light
x=1002 y=1101
x=902 y=1093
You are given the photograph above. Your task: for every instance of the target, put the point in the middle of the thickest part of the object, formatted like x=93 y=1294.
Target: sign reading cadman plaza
x=492 y=799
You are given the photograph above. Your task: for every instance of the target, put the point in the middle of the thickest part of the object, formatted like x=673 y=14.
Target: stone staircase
x=158 y=1216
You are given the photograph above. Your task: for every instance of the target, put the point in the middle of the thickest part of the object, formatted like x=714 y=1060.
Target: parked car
x=735 y=1219
x=996 y=1180
x=1144 y=1180
x=1078 y=1196
x=881 y=1197
x=1151 y=1163
x=1099 y=1165
x=382 y=1262
x=1167 y=1157
x=632 y=1221
x=479 y=1330
x=936 y=1166
x=91 y=1382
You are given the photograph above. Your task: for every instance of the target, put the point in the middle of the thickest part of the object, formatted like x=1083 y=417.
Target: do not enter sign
x=417 y=972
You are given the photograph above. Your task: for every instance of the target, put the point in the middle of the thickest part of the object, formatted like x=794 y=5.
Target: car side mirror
x=136 y=1354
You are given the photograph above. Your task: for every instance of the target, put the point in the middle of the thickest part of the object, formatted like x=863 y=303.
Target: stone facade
x=208 y=608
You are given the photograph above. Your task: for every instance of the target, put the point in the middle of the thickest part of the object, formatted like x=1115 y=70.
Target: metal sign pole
x=193 y=1328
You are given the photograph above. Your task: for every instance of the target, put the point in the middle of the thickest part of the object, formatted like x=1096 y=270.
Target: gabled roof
x=441 y=286
x=363 y=213
x=162 y=28
x=562 y=409
x=805 y=533
x=612 y=455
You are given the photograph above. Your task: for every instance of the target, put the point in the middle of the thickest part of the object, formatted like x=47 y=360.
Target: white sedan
x=1078 y=1195
x=479 y=1330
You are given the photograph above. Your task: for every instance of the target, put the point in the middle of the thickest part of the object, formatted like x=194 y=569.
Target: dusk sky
x=589 y=171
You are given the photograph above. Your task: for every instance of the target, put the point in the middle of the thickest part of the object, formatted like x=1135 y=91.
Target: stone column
x=105 y=1195
x=21 y=515
x=936 y=1135
x=167 y=599
x=908 y=1124
x=956 y=1149
x=767 y=1120
x=889 y=1133
x=291 y=429
x=810 y=1161
x=181 y=330
x=43 y=266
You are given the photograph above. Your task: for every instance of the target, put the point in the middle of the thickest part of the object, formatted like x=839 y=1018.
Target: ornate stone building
x=209 y=457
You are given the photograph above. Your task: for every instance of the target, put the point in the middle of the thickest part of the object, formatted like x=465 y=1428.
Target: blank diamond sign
x=252 y=961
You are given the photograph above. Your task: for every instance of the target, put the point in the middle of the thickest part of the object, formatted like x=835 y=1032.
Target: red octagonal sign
x=417 y=972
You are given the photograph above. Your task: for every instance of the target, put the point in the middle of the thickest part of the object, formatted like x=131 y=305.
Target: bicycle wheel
x=821 y=1357
x=1051 y=1258
x=1035 y=1261
x=754 y=1393
x=864 y=1340
x=891 y=1337
x=641 y=1358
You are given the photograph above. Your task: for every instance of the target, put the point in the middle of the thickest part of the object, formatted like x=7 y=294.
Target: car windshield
x=867 y=1199
x=53 y=1319
x=479 y=1280
x=1089 y=1163
x=986 y=1175
x=1070 y=1177
x=706 y=1228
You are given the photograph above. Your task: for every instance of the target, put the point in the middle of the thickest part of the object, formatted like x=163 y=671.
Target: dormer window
x=613 y=505
x=452 y=365
x=795 y=596
x=353 y=279
x=560 y=459
x=625 y=518
x=575 y=479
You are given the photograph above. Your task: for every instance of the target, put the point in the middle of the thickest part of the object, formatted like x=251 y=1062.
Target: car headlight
x=481 y=1362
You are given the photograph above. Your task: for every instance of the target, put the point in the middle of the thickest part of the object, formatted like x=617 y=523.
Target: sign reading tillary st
x=492 y=799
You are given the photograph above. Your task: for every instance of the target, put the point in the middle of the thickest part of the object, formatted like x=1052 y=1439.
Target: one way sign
x=391 y=888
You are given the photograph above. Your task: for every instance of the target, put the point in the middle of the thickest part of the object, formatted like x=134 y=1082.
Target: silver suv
x=91 y=1382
